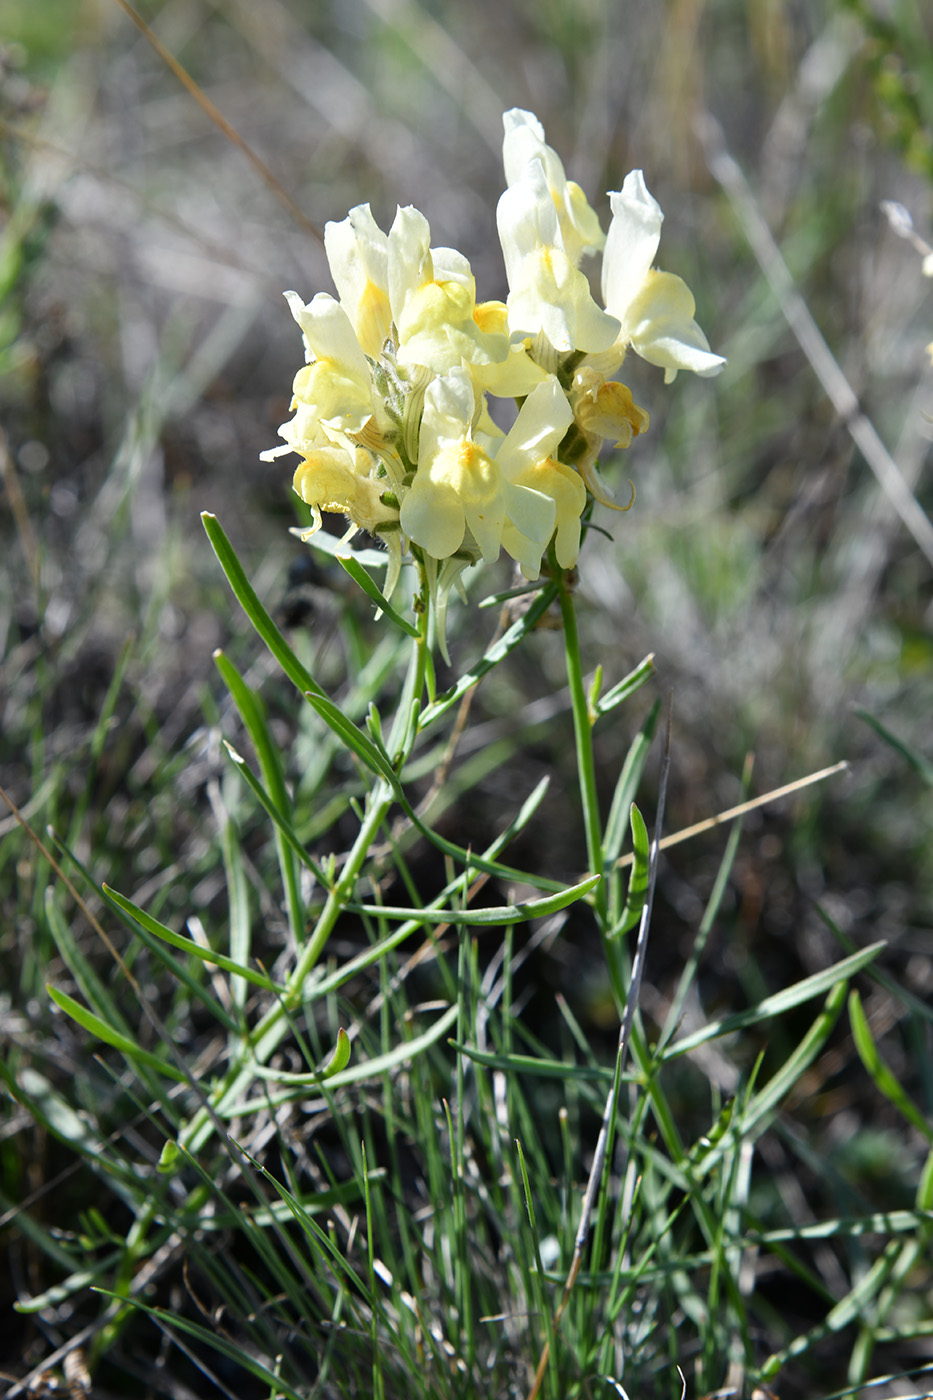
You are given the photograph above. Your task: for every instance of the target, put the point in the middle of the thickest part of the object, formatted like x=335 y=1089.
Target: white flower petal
x=631 y=243
x=357 y=251
x=662 y=330
x=328 y=332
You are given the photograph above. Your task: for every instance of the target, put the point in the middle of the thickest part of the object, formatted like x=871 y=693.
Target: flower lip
x=655 y=309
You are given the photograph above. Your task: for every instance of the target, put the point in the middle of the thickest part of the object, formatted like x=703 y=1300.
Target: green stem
x=583 y=734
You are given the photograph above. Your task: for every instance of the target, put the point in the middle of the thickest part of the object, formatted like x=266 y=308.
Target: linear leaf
x=368 y=1069
x=884 y=1080
x=96 y=1027
x=187 y=945
x=288 y=832
x=622 y=689
x=249 y=602
x=213 y=1338
x=252 y=712
x=355 y=740
x=531 y=1064
x=496 y=653
x=501 y=914
x=780 y=1002
x=626 y=787
x=372 y=590
x=638 y=879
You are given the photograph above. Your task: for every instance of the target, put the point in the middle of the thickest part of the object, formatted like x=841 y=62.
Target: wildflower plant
x=393 y=1237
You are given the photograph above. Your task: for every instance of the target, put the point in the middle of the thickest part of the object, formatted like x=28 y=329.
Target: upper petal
x=357 y=250
x=524 y=142
x=632 y=241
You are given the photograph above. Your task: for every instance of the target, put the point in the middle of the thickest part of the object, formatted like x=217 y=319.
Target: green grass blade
x=884 y=1080
x=780 y=1002
x=764 y=1103
x=918 y=762
x=95 y=993
x=214 y=1339
x=532 y=1064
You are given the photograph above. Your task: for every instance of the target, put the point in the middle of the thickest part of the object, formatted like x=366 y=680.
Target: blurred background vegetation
x=146 y=357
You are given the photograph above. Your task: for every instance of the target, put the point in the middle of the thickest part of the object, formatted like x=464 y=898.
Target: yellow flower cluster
x=390 y=412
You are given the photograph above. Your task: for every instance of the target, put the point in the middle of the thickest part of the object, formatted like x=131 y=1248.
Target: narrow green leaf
x=334 y=547
x=884 y=1080
x=284 y=826
x=170 y=1322
x=59 y=1293
x=918 y=762
x=541 y=1069
x=355 y=740
x=95 y=993
x=624 y=688
x=187 y=945
x=638 y=879
x=501 y=914
x=368 y=1069
x=847 y=1310
x=372 y=590
x=249 y=602
x=176 y=968
x=925 y=1186
x=689 y=969
x=340 y=1058
x=766 y=1100
x=496 y=600
x=470 y=861
x=776 y=1005
x=627 y=785
x=888 y=1222
x=252 y=712
x=496 y=653
x=168 y=1157
x=96 y=1027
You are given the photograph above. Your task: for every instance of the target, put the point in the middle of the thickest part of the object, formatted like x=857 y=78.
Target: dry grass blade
x=732 y=813
x=220 y=121
x=726 y=170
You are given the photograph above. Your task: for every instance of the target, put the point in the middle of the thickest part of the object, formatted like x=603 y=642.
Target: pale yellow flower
x=655 y=308
x=333 y=394
x=548 y=294
x=472 y=488
x=352 y=484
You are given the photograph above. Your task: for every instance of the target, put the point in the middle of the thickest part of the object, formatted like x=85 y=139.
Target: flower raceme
x=391 y=409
